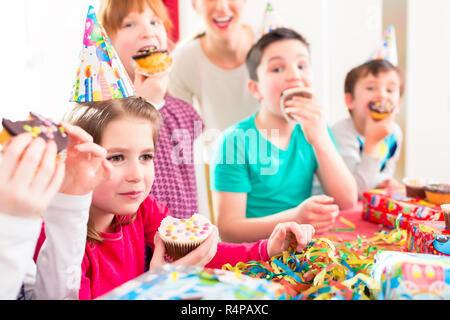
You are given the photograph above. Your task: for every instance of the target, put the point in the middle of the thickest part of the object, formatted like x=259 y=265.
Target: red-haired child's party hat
x=101 y=75
x=388 y=47
x=271 y=20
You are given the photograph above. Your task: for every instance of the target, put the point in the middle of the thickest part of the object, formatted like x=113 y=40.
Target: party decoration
x=384 y=206
x=186 y=282
x=326 y=268
x=388 y=47
x=430 y=237
x=271 y=20
x=101 y=75
x=409 y=276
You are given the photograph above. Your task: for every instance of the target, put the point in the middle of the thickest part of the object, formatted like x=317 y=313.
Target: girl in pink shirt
x=123 y=219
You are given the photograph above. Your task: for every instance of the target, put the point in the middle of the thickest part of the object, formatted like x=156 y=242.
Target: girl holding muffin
x=123 y=218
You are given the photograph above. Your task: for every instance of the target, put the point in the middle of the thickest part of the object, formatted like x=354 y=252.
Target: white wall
x=39 y=57
x=428 y=90
x=41 y=41
x=342 y=34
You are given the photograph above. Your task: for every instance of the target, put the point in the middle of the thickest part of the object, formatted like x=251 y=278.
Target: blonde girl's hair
x=112 y=12
x=93 y=117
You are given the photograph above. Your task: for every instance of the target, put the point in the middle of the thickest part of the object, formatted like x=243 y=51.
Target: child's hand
x=86 y=164
x=375 y=132
x=153 y=88
x=311 y=116
x=390 y=183
x=30 y=176
x=198 y=257
x=286 y=233
x=318 y=211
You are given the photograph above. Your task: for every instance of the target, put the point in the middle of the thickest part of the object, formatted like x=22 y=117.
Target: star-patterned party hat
x=101 y=75
x=271 y=20
x=388 y=47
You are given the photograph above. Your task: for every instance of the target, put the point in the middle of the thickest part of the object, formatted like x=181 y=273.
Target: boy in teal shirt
x=262 y=167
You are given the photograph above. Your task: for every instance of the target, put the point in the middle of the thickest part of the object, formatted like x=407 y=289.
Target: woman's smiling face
x=222 y=17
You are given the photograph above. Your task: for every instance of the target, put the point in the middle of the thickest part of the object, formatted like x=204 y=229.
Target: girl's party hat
x=101 y=75
x=272 y=20
x=388 y=47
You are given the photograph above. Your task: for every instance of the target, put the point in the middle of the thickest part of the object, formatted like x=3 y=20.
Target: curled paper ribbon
x=326 y=269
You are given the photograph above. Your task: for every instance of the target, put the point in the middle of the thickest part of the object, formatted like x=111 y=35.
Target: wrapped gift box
x=385 y=206
x=411 y=276
x=428 y=237
x=184 y=282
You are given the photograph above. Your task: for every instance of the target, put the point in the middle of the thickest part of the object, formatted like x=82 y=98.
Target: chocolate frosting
x=38 y=126
x=146 y=52
x=438 y=188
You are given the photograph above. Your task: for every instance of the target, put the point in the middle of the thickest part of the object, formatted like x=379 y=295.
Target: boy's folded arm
x=335 y=176
x=364 y=167
x=233 y=224
x=59 y=261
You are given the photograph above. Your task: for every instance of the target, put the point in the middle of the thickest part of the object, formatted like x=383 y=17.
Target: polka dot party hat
x=101 y=75
x=388 y=47
x=272 y=20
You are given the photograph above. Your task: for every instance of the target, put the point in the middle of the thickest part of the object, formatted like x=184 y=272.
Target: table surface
x=363 y=228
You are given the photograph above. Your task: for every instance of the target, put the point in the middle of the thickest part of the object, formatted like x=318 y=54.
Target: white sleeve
x=364 y=167
x=59 y=262
x=18 y=238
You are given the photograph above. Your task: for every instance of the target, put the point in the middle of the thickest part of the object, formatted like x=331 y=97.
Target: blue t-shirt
x=244 y=161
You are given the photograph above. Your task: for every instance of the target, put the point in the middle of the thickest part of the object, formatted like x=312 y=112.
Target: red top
x=121 y=257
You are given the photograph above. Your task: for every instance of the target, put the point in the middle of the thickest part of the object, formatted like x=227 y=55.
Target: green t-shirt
x=244 y=161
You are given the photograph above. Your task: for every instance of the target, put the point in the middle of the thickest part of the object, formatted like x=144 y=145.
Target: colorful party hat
x=272 y=20
x=388 y=47
x=101 y=75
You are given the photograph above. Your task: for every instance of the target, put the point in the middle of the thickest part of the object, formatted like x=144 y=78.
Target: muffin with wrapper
x=181 y=236
x=380 y=110
x=438 y=193
x=150 y=61
x=415 y=187
x=289 y=94
x=37 y=126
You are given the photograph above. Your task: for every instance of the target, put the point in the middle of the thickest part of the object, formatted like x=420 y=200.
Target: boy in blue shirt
x=262 y=167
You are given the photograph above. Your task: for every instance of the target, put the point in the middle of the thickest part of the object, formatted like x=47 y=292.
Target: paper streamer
x=327 y=268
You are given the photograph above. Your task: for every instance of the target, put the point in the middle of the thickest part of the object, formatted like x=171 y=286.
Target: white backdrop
x=41 y=41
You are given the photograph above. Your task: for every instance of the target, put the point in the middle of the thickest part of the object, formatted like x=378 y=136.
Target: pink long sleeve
x=233 y=253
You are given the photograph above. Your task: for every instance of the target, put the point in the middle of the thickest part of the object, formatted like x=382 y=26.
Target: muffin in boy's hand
x=37 y=126
x=290 y=94
x=150 y=61
x=181 y=236
x=381 y=109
